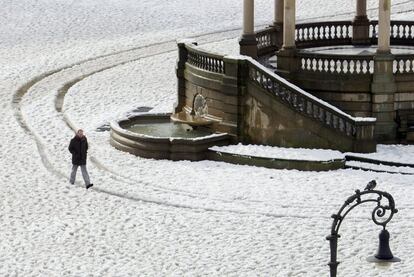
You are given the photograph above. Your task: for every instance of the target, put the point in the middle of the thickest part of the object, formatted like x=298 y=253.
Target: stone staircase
x=257 y=106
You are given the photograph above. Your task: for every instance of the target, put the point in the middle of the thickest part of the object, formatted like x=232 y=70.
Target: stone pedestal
x=360 y=31
x=179 y=71
x=234 y=86
x=287 y=61
x=383 y=89
x=278 y=34
x=247 y=42
x=248 y=45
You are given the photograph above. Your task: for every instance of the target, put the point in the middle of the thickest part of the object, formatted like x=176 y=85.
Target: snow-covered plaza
x=81 y=64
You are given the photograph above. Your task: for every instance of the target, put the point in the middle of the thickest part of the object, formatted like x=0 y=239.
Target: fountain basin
x=156 y=136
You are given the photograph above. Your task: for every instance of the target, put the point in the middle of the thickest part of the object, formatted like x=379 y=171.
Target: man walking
x=79 y=147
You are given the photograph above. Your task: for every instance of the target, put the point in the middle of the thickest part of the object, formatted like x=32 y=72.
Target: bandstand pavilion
x=363 y=77
x=344 y=85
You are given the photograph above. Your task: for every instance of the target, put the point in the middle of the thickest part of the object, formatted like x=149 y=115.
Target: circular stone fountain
x=157 y=136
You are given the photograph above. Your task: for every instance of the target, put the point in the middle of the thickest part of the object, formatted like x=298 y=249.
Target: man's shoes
x=88 y=186
x=71 y=183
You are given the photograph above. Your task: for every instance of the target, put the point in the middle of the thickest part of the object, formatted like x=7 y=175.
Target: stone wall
x=220 y=92
x=350 y=93
x=270 y=122
x=404 y=98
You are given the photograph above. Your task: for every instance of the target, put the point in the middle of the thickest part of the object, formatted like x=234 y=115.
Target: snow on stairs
x=312 y=122
x=368 y=164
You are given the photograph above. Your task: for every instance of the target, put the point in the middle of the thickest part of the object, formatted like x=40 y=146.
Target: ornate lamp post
x=381 y=215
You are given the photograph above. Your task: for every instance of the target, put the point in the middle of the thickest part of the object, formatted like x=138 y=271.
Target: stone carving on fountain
x=198 y=115
x=200 y=107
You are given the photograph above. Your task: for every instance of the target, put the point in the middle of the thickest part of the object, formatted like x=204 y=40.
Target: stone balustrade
x=373 y=31
x=319 y=34
x=206 y=61
x=336 y=64
x=323 y=33
x=267 y=41
x=403 y=64
x=402 y=32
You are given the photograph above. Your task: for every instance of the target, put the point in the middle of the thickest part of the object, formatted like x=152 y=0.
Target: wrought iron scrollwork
x=382 y=213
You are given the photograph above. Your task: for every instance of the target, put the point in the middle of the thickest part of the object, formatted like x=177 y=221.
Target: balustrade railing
x=321 y=33
x=305 y=103
x=403 y=64
x=336 y=64
x=266 y=41
x=402 y=32
x=318 y=34
x=206 y=61
x=333 y=33
x=373 y=31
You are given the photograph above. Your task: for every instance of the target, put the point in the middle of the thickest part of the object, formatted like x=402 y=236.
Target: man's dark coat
x=79 y=148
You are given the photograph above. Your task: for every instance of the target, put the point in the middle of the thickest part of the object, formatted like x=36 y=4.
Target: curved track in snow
x=55 y=84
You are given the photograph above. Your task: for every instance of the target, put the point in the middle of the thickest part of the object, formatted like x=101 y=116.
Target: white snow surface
x=155 y=217
x=391 y=153
x=265 y=151
x=381 y=167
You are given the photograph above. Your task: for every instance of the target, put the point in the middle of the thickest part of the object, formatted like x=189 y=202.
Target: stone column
x=289 y=24
x=286 y=57
x=361 y=9
x=383 y=86
x=248 y=43
x=278 y=23
x=278 y=20
x=360 y=33
x=384 y=25
x=233 y=88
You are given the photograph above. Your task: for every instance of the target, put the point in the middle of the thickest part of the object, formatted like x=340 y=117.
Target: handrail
x=205 y=60
x=312 y=24
x=305 y=103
